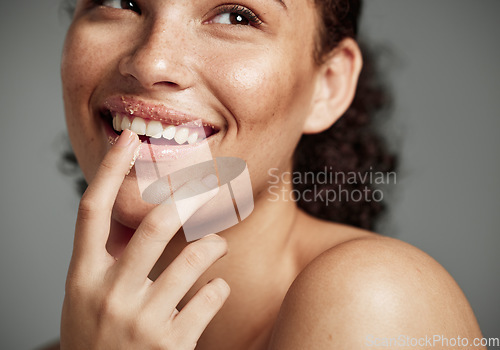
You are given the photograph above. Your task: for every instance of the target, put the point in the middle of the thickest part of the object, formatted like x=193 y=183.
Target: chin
x=129 y=208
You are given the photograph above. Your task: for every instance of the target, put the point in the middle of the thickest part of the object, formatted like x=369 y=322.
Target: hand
x=111 y=303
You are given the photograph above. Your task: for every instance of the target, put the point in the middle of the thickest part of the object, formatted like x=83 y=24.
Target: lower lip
x=155 y=152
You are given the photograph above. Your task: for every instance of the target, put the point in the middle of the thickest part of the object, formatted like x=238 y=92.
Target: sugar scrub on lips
x=175 y=150
x=169 y=133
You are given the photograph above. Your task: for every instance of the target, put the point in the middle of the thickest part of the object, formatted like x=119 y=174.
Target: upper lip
x=135 y=107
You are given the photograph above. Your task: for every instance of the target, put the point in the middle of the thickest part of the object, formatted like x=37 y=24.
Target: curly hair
x=351 y=145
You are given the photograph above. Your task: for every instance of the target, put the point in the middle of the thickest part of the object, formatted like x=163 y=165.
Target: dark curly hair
x=351 y=145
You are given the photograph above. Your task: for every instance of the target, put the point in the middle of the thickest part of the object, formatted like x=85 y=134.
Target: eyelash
x=101 y=3
x=237 y=9
x=240 y=10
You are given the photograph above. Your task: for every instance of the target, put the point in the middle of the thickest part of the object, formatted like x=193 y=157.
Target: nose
x=159 y=60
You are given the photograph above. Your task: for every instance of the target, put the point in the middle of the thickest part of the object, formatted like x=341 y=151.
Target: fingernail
x=214 y=237
x=126 y=138
x=210 y=181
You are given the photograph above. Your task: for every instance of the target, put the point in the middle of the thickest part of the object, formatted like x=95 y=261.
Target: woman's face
x=247 y=69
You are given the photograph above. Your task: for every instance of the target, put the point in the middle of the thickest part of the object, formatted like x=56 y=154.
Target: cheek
x=269 y=97
x=78 y=63
x=265 y=93
x=81 y=66
x=89 y=56
x=258 y=86
x=259 y=91
x=249 y=79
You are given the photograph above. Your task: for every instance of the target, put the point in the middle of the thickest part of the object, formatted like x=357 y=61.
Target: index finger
x=94 y=212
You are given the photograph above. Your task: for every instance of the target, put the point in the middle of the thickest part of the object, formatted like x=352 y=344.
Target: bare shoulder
x=370 y=289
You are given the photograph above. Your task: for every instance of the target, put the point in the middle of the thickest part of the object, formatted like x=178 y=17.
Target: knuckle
x=135 y=330
x=86 y=208
x=194 y=256
x=89 y=206
x=151 y=230
x=213 y=294
x=111 y=308
x=137 y=327
x=106 y=165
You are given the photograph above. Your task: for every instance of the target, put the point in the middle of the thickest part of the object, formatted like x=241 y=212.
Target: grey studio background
x=445 y=79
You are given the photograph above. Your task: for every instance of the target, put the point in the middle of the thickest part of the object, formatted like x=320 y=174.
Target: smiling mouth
x=159 y=133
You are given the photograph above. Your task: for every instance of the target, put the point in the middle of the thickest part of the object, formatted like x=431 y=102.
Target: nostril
x=166 y=84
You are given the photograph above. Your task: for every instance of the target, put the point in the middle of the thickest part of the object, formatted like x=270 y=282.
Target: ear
x=336 y=83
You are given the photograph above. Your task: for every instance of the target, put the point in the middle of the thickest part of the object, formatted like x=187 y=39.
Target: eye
x=236 y=15
x=120 y=4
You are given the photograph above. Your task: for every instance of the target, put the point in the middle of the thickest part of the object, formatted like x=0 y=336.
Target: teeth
x=193 y=138
x=181 y=135
x=126 y=123
x=155 y=129
x=169 y=132
x=117 y=122
x=138 y=126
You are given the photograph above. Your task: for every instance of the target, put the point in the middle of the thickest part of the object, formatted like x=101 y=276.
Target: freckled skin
x=260 y=85
x=257 y=83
